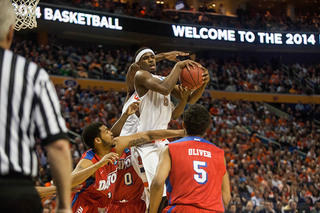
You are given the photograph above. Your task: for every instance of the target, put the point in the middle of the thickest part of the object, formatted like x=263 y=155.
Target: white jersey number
x=201 y=176
x=128 y=179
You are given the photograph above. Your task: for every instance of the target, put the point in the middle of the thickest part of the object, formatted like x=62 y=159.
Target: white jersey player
x=156 y=109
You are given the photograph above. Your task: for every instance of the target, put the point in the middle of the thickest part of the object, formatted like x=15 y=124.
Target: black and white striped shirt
x=29 y=108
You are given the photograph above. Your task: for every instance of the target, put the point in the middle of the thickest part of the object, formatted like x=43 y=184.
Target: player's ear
x=97 y=140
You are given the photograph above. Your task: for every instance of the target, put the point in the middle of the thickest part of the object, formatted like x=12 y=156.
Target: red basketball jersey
x=98 y=191
x=129 y=185
x=197 y=170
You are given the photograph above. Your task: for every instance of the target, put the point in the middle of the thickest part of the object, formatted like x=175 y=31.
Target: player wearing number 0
x=156 y=109
x=194 y=170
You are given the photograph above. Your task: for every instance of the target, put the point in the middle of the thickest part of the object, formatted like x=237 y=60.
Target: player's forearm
x=195 y=95
x=79 y=177
x=46 y=191
x=60 y=163
x=178 y=110
x=117 y=127
x=160 y=57
x=170 y=81
x=226 y=197
x=162 y=134
x=156 y=191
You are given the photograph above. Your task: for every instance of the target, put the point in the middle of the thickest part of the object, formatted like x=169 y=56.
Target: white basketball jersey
x=132 y=123
x=155 y=110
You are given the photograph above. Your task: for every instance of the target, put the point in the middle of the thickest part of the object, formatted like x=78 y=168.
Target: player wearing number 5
x=194 y=170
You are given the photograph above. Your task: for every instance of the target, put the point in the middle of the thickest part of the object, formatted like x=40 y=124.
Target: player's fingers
x=192 y=64
x=187 y=65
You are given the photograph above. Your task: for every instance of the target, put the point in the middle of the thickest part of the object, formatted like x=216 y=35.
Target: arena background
x=263 y=60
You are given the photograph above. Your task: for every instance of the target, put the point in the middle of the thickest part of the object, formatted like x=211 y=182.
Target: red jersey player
x=194 y=170
x=129 y=188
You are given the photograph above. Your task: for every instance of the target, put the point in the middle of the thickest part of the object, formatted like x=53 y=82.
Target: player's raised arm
x=144 y=81
x=140 y=138
x=117 y=127
x=162 y=173
x=171 y=56
x=130 y=78
x=184 y=94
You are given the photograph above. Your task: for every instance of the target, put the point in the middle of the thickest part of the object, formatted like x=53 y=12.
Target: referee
x=29 y=108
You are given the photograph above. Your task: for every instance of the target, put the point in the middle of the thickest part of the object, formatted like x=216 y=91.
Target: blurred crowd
x=244 y=18
x=231 y=74
x=273 y=162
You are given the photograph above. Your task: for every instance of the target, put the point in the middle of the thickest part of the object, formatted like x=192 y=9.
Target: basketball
x=191 y=78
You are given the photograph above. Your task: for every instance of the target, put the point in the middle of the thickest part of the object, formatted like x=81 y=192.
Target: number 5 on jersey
x=201 y=177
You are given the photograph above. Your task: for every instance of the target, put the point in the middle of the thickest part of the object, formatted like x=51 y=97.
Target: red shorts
x=187 y=208
x=135 y=206
x=83 y=206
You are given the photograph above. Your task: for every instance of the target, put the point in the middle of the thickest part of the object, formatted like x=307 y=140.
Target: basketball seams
x=182 y=79
x=191 y=78
x=195 y=84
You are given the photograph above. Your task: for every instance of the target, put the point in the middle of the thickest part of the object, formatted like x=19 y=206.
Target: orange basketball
x=191 y=78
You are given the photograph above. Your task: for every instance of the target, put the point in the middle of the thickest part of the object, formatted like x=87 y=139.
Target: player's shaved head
x=196 y=119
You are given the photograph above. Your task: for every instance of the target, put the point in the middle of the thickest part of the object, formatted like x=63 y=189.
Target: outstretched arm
x=141 y=138
x=172 y=56
x=159 y=179
x=117 y=127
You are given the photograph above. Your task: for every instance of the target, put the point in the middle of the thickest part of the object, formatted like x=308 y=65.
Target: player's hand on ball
x=205 y=76
x=110 y=157
x=189 y=63
x=132 y=108
x=184 y=92
x=172 y=56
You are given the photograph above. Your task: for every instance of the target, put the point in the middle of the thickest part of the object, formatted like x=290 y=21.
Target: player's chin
x=152 y=69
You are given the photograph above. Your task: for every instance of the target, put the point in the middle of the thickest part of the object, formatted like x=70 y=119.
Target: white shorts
x=149 y=154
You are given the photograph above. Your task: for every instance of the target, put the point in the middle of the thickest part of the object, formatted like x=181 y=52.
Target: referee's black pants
x=18 y=195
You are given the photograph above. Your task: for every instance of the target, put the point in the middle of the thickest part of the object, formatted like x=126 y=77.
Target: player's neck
x=102 y=152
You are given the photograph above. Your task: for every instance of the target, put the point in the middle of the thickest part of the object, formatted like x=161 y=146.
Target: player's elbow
x=156 y=184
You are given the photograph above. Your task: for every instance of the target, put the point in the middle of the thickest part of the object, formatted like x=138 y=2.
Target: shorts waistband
x=126 y=202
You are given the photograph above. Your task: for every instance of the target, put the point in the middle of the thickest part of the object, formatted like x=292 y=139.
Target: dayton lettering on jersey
x=124 y=163
x=105 y=184
x=199 y=152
